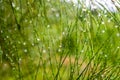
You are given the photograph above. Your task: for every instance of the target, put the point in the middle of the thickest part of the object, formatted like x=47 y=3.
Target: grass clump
x=47 y=39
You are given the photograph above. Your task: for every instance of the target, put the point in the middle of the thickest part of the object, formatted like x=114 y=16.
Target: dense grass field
x=57 y=40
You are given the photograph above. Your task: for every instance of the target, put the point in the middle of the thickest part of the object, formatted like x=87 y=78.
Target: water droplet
x=109 y=20
x=106 y=56
x=101 y=53
x=84 y=9
x=59 y=50
x=53 y=9
x=105 y=15
x=13 y=68
x=6 y=54
x=7 y=36
x=48 y=0
x=118 y=47
x=13 y=54
x=38 y=39
x=116 y=26
x=13 y=4
x=30 y=21
x=99 y=15
x=103 y=22
x=15 y=29
x=24 y=43
x=28 y=3
x=26 y=20
x=19 y=60
x=57 y=15
x=60 y=46
x=13 y=46
x=63 y=33
x=38 y=15
x=48 y=26
x=82 y=51
x=102 y=76
x=118 y=34
x=25 y=50
x=17 y=8
x=19 y=42
x=103 y=31
x=33 y=44
x=44 y=51
x=1 y=31
x=4 y=38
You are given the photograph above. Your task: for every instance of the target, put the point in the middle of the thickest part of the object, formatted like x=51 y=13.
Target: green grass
x=53 y=40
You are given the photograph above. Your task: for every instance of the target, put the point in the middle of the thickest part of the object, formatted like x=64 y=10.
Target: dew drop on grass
x=63 y=33
x=44 y=51
x=102 y=76
x=74 y=5
x=85 y=19
x=6 y=55
x=38 y=39
x=28 y=3
x=19 y=42
x=105 y=15
x=59 y=50
x=13 y=68
x=15 y=29
x=116 y=26
x=17 y=8
x=19 y=60
x=5 y=39
x=106 y=56
x=103 y=31
x=1 y=31
x=53 y=9
x=103 y=22
x=101 y=53
x=7 y=36
x=82 y=51
x=118 y=47
x=13 y=46
x=84 y=9
x=13 y=54
x=60 y=46
x=109 y=20
x=24 y=43
x=118 y=34
x=57 y=14
x=25 y=50
x=33 y=44
x=26 y=20
x=13 y=4
x=5 y=20
x=96 y=79
x=48 y=26
x=99 y=15
x=49 y=47
x=48 y=0
x=30 y=21
x=38 y=15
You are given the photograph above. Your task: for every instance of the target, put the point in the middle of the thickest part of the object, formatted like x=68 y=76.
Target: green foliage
x=48 y=39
